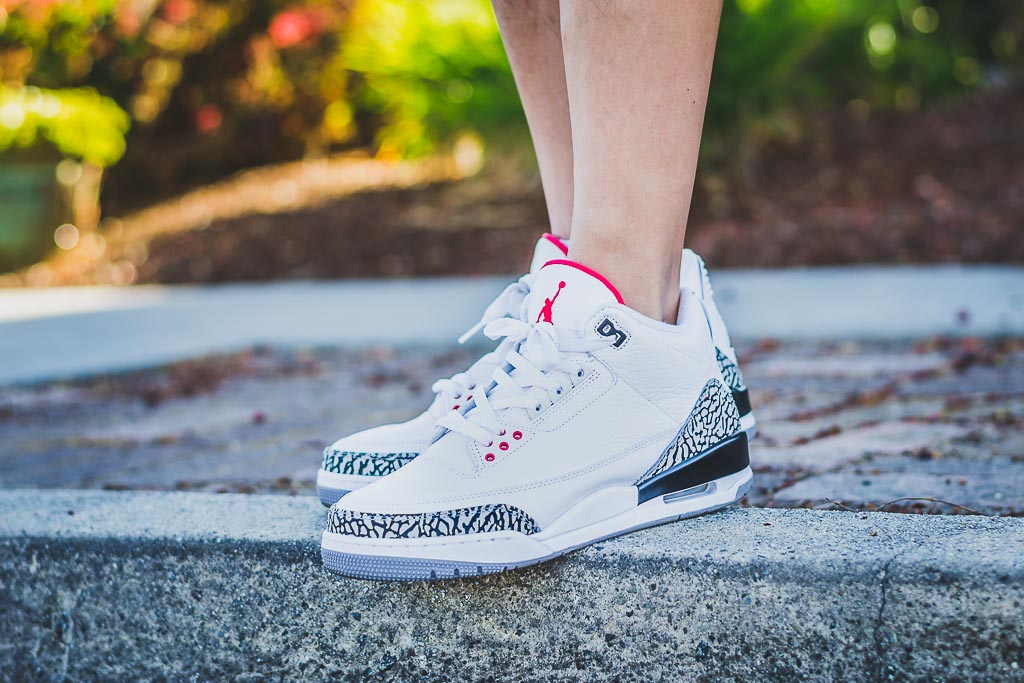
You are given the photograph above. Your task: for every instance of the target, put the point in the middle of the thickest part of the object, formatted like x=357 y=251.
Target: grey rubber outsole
x=329 y=496
x=380 y=568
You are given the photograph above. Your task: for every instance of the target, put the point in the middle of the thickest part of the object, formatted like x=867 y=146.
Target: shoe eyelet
x=458 y=395
x=579 y=373
x=503 y=445
x=536 y=408
x=501 y=433
x=456 y=406
x=558 y=391
x=469 y=397
x=472 y=386
x=489 y=457
x=490 y=443
x=517 y=435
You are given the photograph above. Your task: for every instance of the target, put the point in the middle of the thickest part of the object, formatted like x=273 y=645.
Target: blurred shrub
x=425 y=71
x=217 y=85
x=777 y=58
x=78 y=122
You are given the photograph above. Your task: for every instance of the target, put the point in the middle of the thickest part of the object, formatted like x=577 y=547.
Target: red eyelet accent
x=456 y=406
x=469 y=397
x=489 y=457
x=503 y=445
x=517 y=435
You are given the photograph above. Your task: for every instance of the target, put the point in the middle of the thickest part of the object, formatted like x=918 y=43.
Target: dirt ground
x=943 y=185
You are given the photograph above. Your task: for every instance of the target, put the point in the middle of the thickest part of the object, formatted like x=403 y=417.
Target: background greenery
x=171 y=94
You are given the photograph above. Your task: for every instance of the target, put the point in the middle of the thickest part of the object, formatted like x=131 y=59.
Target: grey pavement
x=839 y=425
x=157 y=586
x=63 y=332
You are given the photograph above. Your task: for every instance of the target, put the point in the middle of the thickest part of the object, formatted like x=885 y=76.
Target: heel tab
x=689 y=301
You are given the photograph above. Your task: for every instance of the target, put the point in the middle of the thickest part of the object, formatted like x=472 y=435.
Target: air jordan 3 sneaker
x=595 y=421
x=359 y=459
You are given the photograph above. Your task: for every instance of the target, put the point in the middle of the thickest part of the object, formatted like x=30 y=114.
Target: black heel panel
x=742 y=399
x=724 y=458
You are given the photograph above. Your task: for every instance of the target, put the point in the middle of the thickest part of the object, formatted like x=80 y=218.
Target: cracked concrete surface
x=230 y=586
x=859 y=424
x=877 y=632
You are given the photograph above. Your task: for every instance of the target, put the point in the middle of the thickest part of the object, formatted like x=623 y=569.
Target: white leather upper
x=413 y=436
x=606 y=430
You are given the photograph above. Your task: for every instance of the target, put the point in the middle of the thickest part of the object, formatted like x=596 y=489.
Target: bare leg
x=531 y=32
x=637 y=73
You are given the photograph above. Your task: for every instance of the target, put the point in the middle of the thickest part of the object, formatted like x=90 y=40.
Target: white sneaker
x=357 y=460
x=693 y=275
x=601 y=421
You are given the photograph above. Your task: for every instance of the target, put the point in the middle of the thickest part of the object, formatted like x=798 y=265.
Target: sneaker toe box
x=364 y=463
x=376 y=452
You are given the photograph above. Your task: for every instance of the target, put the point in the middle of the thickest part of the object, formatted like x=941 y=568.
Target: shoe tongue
x=565 y=294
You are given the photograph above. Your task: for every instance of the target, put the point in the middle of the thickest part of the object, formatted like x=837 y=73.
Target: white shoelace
x=542 y=362
x=510 y=302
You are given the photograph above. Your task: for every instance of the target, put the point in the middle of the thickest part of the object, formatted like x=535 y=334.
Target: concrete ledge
x=98 y=585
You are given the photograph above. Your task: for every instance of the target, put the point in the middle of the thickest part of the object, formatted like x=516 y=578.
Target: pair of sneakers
x=587 y=421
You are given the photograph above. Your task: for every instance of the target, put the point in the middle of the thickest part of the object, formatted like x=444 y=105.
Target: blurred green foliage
x=217 y=85
x=426 y=71
x=777 y=58
x=78 y=122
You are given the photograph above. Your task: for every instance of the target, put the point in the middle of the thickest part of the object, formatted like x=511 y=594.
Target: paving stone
x=260 y=424
x=846 y=365
x=1005 y=378
x=781 y=404
x=786 y=431
x=248 y=433
x=996 y=487
x=829 y=452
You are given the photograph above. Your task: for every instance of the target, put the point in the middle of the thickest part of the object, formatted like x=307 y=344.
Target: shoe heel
x=725 y=458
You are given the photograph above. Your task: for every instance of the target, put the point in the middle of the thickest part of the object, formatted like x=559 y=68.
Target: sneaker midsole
x=559 y=537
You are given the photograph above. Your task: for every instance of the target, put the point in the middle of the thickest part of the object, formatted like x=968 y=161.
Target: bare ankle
x=647 y=287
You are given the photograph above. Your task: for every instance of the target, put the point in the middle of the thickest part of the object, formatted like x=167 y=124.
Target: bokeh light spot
x=881 y=38
x=66 y=236
x=460 y=90
x=966 y=70
x=209 y=118
x=751 y=6
x=12 y=115
x=925 y=19
x=69 y=172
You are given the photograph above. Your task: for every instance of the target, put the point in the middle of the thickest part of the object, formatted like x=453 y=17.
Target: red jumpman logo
x=545 y=313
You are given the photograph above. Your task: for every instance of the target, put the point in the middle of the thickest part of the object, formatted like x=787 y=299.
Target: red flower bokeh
x=296 y=25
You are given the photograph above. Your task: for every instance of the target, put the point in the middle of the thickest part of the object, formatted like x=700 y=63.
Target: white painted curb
x=66 y=332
